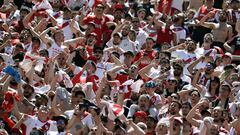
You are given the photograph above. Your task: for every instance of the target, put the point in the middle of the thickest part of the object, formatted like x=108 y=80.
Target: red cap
x=93 y=58
x=118 y=7
x=141 y=114
x=227 y=55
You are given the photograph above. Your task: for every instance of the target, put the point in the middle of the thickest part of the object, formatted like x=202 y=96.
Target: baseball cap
x=209 y=66
x=117 y=34
x=93 y=34
x=129 y=52
x=150 y=84
x=141 y=114
x=118 y=7
x=66 y=9
x=227 y=55
x=61 y=117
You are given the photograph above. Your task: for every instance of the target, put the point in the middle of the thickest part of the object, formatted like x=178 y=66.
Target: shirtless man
x=221 y=31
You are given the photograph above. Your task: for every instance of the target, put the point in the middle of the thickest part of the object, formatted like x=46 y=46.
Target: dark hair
x=215 y=79
x=98 y=49
x=194 y=90
x=167 y=53
x=36 y=39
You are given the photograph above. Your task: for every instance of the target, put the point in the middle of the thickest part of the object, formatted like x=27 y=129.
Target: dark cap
x=66 y=9
x=42 y=96
x=61 y=117
x=141 y=9
x=130 y=53
x=238 y=1
x=152 y=117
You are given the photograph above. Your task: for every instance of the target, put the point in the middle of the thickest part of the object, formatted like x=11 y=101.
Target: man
x=233 y=14
x=200 y=31
x=144 y=57
x=177 y=27
x=165 y=34
x=69 y=26
x=55 y=45
x=233 y=45
x=100 y=19
x=141 y=35
x=126 y=44
x=155 y=99
x=39 y=121
x=221 y=31
x=62 y=122
x=81 y=121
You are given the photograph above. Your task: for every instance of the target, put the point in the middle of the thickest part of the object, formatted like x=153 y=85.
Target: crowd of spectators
x=119 y=67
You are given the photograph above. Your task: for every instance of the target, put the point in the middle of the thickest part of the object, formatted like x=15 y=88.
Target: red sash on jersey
x=64 y=25
x=57 y=15
x=177 y=29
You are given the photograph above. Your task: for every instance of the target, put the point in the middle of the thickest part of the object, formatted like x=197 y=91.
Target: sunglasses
x=135 y=21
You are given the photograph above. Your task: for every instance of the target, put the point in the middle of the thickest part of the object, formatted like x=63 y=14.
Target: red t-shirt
x=150 y=54
x=204 y=11
x=100 y=26
x=123 y=78
x=164 y=35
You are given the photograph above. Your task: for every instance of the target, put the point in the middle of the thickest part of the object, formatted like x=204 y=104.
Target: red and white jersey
x=54 y=50
x=67 y=31
x=180 y=32
x=155 y=99
x=34 y=122
x=233 y=16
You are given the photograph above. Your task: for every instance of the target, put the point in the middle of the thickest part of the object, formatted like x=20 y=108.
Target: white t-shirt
x=126 y=45
x=67 y=30
x=54 y=50
x=141 y=38
x=34 y=122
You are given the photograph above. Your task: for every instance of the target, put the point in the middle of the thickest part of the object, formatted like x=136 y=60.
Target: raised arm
x=27 y=19
x=208 y=24
x=47 y=40
x=144 y=71
x=195 y=80
x=112 y=72
x=228 y=47
x=193 y=64
x=190 y=117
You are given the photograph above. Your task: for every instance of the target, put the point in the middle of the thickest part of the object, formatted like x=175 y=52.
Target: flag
x=136 y=86
x=177 y=4
x=114 y=111
x=42 y=90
